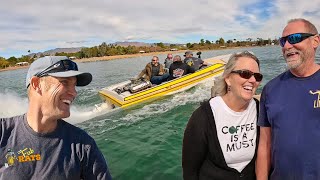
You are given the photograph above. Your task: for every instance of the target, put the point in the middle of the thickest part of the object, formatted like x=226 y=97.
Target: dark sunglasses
x=246 y=74
x=294 y=38
x=60 y=66
x=153 y=60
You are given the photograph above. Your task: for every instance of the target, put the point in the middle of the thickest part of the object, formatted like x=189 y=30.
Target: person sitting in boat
x=154 y=72
x=168 y=61
x=195 y=63
x=178 y=68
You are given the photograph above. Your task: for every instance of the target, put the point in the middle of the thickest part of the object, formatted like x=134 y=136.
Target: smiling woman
x=231 y=116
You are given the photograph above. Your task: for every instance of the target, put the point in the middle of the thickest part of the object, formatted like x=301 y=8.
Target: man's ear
x=35 y=84
x=316 y=41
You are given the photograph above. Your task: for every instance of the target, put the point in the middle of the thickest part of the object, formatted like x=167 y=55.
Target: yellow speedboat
x=124 y=94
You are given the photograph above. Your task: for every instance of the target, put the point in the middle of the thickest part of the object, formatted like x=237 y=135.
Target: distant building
x=141 y=51
x=72 y=57
x=22 y=64
x=174 y=49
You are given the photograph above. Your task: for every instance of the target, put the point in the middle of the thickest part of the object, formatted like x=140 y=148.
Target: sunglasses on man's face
x=60 y=66
x=154 y=60
x=294 y=38
x=246 y=74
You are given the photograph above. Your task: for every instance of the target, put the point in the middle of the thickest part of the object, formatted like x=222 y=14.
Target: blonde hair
x=220 y=86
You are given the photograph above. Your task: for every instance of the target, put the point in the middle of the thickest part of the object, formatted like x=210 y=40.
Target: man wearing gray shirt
x=40 y=144
x=195 y=63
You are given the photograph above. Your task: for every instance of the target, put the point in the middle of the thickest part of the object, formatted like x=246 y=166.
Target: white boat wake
x=13 y=105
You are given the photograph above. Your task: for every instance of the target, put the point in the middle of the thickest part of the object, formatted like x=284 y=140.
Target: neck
x=234 y=103
x=39 y=122
x=305 y=70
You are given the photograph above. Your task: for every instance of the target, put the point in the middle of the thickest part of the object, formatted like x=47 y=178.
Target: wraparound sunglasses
x=294 y=38
x=60 y=66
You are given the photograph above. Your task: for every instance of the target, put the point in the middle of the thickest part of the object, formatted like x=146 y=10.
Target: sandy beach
x=13 y=68
x=106 y=58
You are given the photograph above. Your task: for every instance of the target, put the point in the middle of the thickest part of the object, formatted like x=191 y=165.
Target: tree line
x=105 y=49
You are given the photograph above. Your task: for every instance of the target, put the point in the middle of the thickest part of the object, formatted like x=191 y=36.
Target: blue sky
x=42 y=25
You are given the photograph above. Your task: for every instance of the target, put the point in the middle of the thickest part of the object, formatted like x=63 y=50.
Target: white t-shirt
x=236 y=132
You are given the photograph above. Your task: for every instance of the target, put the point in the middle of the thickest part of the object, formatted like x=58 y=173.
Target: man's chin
x=292 y=64
x=65 y=115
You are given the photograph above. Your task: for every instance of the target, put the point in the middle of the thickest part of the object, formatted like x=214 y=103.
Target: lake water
x=144 y=141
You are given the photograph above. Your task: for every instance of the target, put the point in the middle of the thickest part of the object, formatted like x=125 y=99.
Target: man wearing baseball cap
x=193 y=62
x=40 y=144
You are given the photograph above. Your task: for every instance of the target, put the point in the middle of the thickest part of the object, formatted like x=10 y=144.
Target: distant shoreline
x=104 y=58
x=13 y=68
x=107 y=58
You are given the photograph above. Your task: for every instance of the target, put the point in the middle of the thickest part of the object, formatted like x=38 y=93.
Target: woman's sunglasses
x=294 y=38
x=246 y=74
x=60 y=66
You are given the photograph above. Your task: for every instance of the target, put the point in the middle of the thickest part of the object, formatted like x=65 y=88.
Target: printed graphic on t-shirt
x=10 y=157
x=238 y=137
x=316 y=103
x=178 y=72
x=189 y=62
x=23 y=155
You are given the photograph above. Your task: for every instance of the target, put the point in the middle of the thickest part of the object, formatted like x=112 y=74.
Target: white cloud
x=40 y=25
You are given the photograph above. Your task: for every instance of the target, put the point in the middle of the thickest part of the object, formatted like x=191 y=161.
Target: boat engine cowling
x=139 y=85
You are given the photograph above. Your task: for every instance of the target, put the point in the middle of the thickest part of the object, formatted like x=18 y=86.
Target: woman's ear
x=227 y=80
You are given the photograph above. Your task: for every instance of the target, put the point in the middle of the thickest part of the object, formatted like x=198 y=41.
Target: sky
x=43 y=25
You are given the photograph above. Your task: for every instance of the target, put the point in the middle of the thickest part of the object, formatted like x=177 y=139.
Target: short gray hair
x=220 y=86
x=310 y=27
x=155 y=57
x=178 y=57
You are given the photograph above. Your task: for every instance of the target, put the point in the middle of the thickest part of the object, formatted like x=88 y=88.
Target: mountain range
x=52 y=52
x=77 y=49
